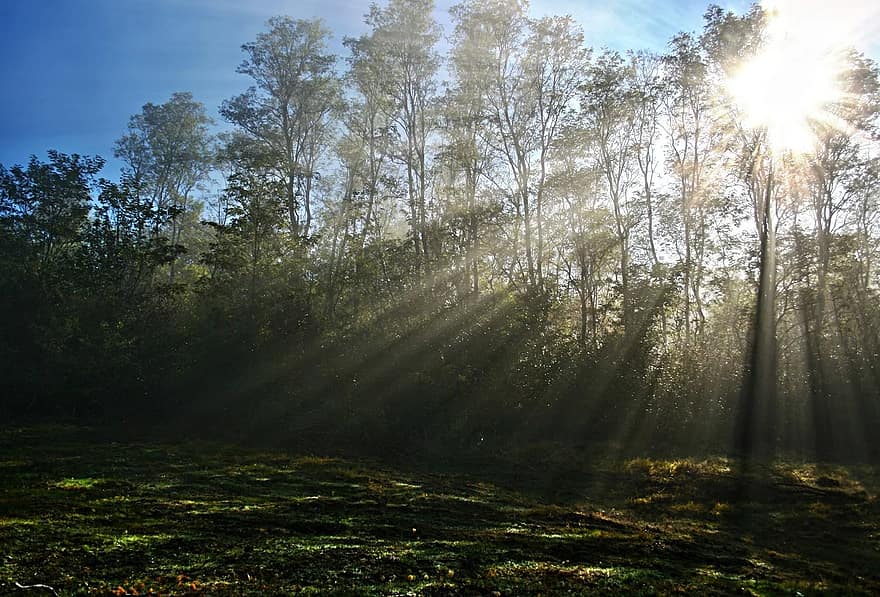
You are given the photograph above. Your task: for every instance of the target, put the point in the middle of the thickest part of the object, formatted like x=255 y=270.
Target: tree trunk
x=756 y=426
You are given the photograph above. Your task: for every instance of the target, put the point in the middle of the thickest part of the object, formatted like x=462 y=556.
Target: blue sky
x=74 y=71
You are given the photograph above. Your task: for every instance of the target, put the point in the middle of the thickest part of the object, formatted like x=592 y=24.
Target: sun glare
x=784 y=93
x=790 y=85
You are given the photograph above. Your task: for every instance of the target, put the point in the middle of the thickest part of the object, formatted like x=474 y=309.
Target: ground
x=85 y=515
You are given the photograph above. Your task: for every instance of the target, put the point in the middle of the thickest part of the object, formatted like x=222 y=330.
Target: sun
x=786 y=95
x=789 y=86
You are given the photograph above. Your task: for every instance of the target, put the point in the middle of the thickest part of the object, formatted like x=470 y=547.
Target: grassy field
x=83 y=515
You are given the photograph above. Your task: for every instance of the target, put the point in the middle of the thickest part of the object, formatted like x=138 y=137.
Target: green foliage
x=82 y=270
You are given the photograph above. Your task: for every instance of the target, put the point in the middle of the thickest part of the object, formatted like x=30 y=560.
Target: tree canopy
x=461 y=243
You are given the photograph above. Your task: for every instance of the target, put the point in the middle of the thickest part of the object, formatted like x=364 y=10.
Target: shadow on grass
x=91 y=517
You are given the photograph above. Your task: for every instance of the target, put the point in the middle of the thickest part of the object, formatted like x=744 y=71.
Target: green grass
x=86 y=516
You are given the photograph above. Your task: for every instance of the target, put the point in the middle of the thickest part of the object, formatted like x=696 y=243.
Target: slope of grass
x=86 y=516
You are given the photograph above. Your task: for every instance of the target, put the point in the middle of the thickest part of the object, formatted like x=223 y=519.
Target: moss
x=73 y=483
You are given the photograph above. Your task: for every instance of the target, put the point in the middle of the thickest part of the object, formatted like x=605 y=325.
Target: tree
x=43 y=208
x=728 y=41
x=511 y=108
x=609 y=111
x=589 y=241
x=401 y=51
x=466 y=151
x=288 y=112
x=557 y=62
x=75 y=251
x=689 y=134
x=167 y=154
x=366 y=146
x=649 y=94
x=837 y=174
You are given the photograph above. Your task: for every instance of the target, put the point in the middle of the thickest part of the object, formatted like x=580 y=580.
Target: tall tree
x=608 y=107
x=648 y=96
x=689 y=144
x=467 y=152
x=402 y=45
x=365 y=148
x=288 y=110
x=511 y=109
x=166 y=154
x=557 y=63
x=729 y=40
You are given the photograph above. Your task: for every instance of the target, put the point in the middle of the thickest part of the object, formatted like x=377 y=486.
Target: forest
x=487 y=249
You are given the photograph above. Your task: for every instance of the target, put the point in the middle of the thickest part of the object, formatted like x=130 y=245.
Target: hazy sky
x=74 y=71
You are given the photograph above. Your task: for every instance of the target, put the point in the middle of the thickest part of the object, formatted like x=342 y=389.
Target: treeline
x=524 y=242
